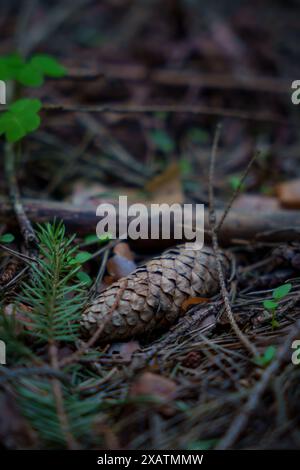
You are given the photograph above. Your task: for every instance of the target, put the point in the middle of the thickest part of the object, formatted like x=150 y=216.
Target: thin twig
x=15 y=197
x=212 y=222
x=55 y=18
x=168 y=108
x=237 y=190
x=14 y=253
x=93 y=291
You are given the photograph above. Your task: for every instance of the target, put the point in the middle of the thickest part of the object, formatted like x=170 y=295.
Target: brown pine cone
x=151 y=296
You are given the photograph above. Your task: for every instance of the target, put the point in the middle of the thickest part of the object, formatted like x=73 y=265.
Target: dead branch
x=277 y=226
x=167 y=108
x=183 y=78
x=15 y=197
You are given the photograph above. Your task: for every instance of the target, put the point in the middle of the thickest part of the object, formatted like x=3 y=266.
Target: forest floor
x=147 y=84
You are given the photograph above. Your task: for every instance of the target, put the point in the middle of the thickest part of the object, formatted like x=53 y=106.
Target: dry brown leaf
x=120 y=264
x=289 y=194
x=123 y=249
x=166 y=187
x=161 y=388
x=193 y=301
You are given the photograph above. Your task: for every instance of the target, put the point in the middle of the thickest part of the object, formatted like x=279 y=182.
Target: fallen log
x=275 y=226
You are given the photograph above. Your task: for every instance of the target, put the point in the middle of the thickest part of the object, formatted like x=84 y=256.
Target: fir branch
x=52 y=302
x=35 y=398
x=54 y=297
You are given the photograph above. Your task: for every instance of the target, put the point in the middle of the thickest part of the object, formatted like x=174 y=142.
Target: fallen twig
x=24 y=222
x=237 y=190
x=213 y=226
x=168 y=108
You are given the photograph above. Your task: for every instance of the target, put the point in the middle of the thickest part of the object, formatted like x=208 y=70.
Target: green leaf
x=7 y=238
x=26 y=105
x=270 y=353
x=81 y=258
x=84 y=278
x=10 y=66
x=185 y=167
x=89 y=239
x=274 y=323
x=106 y=237
x=162 y=141
x=266 y=357
x=11 y=126
x=234 y=182
x=270 y=304
x=48 y=65
x=198 y=136
x=29 y=75
x=282 y=291
x=204 y=444
x=20 y=119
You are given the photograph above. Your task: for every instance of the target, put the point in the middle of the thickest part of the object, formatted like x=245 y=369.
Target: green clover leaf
x=20 y=119
x=10 y=65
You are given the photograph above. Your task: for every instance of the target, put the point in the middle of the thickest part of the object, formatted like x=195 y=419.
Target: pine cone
x=151 y=296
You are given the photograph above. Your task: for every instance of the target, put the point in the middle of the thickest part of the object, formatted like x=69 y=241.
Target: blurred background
x=192 y=64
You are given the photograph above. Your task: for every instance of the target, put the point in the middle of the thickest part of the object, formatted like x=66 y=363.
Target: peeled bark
x=152 y=296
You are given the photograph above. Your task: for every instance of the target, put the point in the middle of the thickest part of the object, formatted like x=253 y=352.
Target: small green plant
x=198 y=135
x=185 y=167
x=22 y=116
x=266 y=357
x=7 y=238
x=272 y=304
x=36 y=401
x=53 y=297
x=162 y=141
x=45 y=317
x=32 y=72
x=93 y=238
x=234 y=182
x=205 y=444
